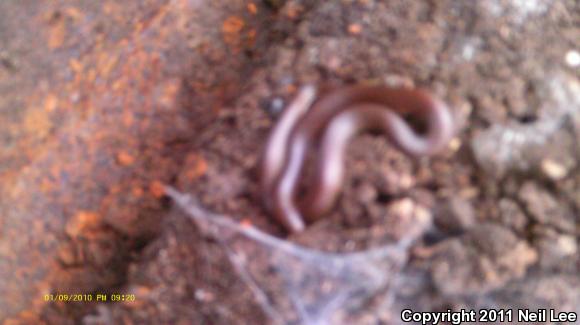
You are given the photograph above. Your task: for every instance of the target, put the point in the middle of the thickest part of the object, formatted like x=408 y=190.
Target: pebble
x=573 y=58
x=567 y=245
x=553 y=169
x=354 y=29
x=275 y=106
x=455 y=215
x=455 y=144
x=203 y=295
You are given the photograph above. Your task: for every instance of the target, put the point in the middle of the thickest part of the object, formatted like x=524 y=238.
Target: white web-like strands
x=300 y=285
x=511 y=144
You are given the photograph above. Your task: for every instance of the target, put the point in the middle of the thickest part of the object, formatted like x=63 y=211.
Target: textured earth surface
x=104 y=103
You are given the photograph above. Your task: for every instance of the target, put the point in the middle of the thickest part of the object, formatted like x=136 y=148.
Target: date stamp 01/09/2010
x=101 y=297
x=469 y=316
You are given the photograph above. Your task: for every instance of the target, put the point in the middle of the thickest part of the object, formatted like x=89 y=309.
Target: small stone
x=567 y=245
x=455 y=144
x=553 y=169
x=555 y=248
x=512 y=215
x=573 y=58
x=470 y=192
x=406 y=181
x=82 y=223
x=125 y=159
x=334 y=63
x=398 y=81
x=157 y=189
x=482 y=260
x=366 y=193
x=276 y=106
x=67 y=255
x=354 y=29
x=203 y=295
x=455 y=215
x=403 y=207
x=545 y=208
x=422 y=214
x=406 y=219
x=468 y=51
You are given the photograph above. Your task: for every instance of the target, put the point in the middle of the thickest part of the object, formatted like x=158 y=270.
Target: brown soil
x=102 y=104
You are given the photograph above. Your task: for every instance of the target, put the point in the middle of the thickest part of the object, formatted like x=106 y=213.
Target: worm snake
x=326 y=121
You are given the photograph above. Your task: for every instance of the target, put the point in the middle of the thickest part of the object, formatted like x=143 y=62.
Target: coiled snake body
x=329 y=121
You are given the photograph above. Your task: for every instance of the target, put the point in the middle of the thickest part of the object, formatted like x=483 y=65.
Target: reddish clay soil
x=104 y=103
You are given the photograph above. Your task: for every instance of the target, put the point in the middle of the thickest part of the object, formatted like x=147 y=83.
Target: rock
x=512 y=215
x=484 y=259
x=545 y=209
x=553 y=169
x=559 y=291
x=455 y=215
x=556 y=251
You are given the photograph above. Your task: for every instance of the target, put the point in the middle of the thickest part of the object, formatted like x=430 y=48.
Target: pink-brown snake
x=328 y=122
